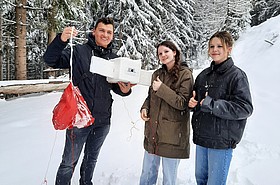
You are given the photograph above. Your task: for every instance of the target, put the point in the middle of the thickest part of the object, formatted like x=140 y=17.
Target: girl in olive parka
x=167 y=117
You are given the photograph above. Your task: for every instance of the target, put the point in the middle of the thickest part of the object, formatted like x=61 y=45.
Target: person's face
x=217 y=51
x=103 y=34
x=166 y=56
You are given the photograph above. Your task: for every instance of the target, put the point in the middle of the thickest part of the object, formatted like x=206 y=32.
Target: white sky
x=31 y=149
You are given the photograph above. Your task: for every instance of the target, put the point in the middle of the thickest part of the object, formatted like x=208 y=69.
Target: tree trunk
x=52 y=21
x=20 y=40
x=8 y=71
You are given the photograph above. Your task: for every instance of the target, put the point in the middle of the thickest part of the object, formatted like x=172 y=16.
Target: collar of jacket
x=99 y=49
x=223 y=68
x=182 y=67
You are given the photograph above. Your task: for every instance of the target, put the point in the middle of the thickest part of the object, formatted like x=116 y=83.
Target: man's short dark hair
x=104 y=20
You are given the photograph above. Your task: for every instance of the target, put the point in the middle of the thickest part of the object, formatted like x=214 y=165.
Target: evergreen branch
x=33 y=8
x=10 y=3
x=12 y=22
x=25 y=7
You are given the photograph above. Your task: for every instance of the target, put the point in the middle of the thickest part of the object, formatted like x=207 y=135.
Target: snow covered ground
x=30 y=148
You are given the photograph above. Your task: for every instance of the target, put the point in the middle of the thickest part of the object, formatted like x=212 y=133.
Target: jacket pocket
x=169 y=132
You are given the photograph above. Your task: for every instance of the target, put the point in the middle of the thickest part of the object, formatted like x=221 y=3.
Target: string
x=71 y=53
x=71 y=71
x=45 y=178
x=131 y=121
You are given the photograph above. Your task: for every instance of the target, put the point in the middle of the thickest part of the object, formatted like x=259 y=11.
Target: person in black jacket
x=96 y=91
x=221 y=104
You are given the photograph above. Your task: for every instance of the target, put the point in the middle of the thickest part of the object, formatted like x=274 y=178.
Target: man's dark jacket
x=94 y=87
x=219 y=123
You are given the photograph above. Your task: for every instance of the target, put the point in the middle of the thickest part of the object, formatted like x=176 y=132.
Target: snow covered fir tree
x=27 y=26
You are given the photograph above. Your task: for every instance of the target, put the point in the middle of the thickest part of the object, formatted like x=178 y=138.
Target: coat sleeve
x=178 y=99
x=56 y=55
x=238 y=107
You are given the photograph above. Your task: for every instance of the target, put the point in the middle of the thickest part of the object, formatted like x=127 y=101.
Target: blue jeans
x=212 y=165
x=93 y=138
x=150 y=168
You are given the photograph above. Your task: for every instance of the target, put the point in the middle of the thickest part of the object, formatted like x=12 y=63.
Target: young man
x=96 y=92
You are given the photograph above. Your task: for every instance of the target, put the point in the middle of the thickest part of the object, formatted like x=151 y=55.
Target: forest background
x=27 y=26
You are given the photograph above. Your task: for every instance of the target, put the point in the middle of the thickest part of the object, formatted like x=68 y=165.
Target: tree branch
x=10 y=3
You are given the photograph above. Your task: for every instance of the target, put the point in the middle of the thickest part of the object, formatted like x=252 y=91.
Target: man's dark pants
x=93 y=138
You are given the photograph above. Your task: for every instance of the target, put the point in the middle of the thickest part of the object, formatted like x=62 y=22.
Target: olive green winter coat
x=167 y=132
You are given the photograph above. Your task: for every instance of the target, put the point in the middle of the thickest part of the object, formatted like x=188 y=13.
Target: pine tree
x=139 y=26
x=238 y=17
x=258 y=13
x=142 y=24
x=32 y=43
x=135 y=30
x=177 y=22
x=263 y=10
x=1 y=48
x=7 y=49
x=215 y=15
x=273 y=7
x=62 y=13
x=209 y=17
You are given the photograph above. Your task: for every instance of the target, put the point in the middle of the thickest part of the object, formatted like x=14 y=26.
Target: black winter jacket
x=220 y=121
x=94 y=87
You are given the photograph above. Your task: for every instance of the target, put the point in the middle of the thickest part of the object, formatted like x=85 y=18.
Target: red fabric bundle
x=71 y=110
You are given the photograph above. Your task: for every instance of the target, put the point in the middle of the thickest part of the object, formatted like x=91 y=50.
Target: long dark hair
x=178 y=60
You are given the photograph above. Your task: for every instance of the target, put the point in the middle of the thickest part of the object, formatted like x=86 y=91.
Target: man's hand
x=66 y=34
x=125 y=87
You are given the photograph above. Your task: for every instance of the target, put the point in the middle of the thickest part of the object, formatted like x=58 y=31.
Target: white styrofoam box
x=145 y=77
x=101 y=66
x=127 y=70
x=121 y=69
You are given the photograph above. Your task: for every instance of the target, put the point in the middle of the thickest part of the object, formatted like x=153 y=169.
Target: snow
x=31 y=149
